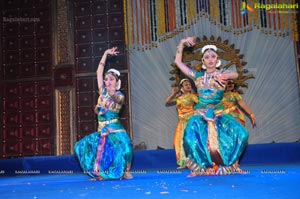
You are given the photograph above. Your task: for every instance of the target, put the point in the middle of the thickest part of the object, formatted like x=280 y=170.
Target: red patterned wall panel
x=27 y=126
x=11 y=133
x=28 y=132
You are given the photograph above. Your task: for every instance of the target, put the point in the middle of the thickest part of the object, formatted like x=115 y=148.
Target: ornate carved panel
x=10 y=29
x=116 y=33
x=115 y=20
x=100 y=21
x=100 y=35
x=83 y=23
x=10 y=71
x=63 y=77
x=11 y=43
x=28 y=132
x=42 y=27
x=27 y=70
x=98 y=7
x=115 y=6
x=83 y=50
x=12 y=133
x=11 y=57
x=27 y=118
x=83 y=37
x=64 y=138
x=83 y=65
x=27 y=55
x=43 y=68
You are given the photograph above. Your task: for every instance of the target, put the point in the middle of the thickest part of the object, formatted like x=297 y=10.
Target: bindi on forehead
x=210 y=52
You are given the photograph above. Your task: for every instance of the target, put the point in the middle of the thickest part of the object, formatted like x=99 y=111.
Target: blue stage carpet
x=275 y=176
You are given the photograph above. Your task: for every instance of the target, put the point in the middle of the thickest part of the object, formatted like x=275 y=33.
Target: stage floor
x=273 y=171
x=264 y=181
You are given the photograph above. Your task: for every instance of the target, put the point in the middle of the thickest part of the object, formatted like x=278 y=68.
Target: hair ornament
x=206 y=47
x=183 y=80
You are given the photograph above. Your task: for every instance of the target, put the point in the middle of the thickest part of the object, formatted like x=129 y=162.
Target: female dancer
x=213 y=141
x=233 y=101
x=185 y=102
x=107 y=154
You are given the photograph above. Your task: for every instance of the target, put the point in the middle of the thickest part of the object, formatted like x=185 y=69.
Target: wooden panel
x=63 y=77
x=44 y=131
x=115 y=6
x=26 y=73
x=42 y=28
x=28 y=132
x=82 y=8
x=83 y=50
x=83 y=65
x=116 y=33
x=11 y=148
x=100 y=35
x=27 y=103
x=27 y=70
x=99 y=49
x=11 y=105
x=10 y=29
x=11 y=57
x=27 y=55
x=43 y=68
x=83 y=23
x=12 y=133
x=115 y=19
x=83 y=37
x=11 y=71
x=26 y=29
x=98 y=7
x=10 y=43
x=100 y=21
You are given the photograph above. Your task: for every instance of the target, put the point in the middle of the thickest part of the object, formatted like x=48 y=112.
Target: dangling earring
x=218 y=63
x=203 y=65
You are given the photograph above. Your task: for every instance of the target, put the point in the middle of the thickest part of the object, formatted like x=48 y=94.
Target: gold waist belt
x=102 y=124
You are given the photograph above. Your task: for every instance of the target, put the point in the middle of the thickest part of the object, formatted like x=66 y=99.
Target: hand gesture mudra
x=113 y=51
x=189 y=41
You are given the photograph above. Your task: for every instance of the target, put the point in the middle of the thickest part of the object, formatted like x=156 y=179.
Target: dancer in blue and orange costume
x=213 y=141
x=185 y=102
x=234 y=104
x=107 y=153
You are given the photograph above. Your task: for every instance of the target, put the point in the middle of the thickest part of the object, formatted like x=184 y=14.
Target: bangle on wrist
x=101 y=63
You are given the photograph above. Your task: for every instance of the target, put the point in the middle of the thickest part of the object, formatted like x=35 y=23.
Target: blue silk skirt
x=117 y=154
x=231 y=135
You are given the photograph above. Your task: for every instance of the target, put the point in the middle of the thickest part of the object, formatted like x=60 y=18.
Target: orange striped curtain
x=148 y=22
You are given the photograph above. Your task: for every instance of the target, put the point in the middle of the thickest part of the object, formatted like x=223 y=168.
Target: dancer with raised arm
x=107 y=153
x=213 y=141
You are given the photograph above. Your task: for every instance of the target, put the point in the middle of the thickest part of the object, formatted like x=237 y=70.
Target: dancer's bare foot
x=239 y=170
x=98 y=178
x=127 y=175
x=191 y=175
x=210 y=171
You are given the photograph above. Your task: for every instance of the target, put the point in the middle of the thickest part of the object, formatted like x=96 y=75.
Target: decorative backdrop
x=265 y=38
x=152 y=21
